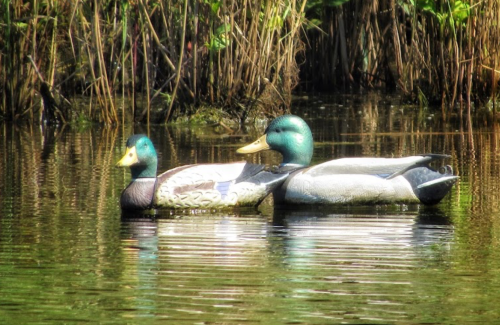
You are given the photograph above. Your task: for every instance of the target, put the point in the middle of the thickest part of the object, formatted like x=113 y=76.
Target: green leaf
x=220 y=39
x=222 y=29
x=427 y=5
x=20 y=25
x=460 y=11
x=335 y=3
x=405 y=7
x=214 y=5
x=275 y=22
x=316 y=5
x=313 y=23
x=125 y=5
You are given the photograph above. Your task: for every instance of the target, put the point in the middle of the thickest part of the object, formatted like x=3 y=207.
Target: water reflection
x=229 y=265
x=67 y=255
x=370 y=243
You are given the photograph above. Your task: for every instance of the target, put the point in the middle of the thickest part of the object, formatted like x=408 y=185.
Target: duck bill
x=129 y=159
x=256 y=146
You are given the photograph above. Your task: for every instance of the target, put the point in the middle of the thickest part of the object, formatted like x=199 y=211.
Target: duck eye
x=278 y=130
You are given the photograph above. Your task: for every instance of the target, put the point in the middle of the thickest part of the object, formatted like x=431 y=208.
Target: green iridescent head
x=289 y=135
x=140 y=157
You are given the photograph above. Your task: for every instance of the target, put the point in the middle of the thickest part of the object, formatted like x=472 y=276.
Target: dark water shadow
x=423 y=214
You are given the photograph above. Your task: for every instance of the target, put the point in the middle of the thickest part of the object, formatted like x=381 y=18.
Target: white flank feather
x=347 y=188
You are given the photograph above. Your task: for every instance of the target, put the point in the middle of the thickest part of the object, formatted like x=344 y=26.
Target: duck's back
x=368 y=166
x=215 y=185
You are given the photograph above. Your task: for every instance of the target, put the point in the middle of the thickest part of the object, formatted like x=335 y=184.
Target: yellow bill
x=256 y=146
x=129 y=158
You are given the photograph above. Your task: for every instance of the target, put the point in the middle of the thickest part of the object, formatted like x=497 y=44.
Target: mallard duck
x=191 y=186
x=349 y=180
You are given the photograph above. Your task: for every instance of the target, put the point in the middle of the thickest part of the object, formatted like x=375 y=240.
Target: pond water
x=68 y=257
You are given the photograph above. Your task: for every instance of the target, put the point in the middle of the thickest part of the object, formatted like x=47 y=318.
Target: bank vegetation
x=152 y=61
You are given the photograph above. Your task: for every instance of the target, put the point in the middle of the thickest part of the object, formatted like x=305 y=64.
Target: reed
x=18 y=40
x=444 y=52
x=165 y=58
x=237 y=56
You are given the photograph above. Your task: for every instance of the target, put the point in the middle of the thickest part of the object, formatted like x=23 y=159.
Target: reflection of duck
x=356 y=242
x=192 y=186
x=349 y=180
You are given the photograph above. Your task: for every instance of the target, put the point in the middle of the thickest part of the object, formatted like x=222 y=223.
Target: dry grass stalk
x=243 y=56
x=436 y=48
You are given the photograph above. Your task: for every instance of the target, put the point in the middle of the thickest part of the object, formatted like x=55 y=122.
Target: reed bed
x=163 y=58
x=444 y=52
x=152 y=61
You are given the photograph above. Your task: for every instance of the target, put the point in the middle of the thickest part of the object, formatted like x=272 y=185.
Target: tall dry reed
x=163 y=57
x=127 y=60
x=445 y=52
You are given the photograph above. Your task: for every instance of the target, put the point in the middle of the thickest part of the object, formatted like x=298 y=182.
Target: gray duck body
x=349 y=180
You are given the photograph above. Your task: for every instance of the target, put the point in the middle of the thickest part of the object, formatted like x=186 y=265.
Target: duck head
x=140 y=157
x=289 y=135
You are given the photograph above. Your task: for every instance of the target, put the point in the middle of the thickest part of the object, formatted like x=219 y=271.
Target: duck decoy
x=349 y=180
x=192 y=186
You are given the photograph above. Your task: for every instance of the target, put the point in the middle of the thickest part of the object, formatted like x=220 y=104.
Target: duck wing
x=216 y=185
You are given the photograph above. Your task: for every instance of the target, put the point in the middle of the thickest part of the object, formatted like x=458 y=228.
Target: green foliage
x=82 y=122
x=219 y=39
x=214 y=5
x=426 y=5
x=167 y=98
x=20 y=26
x=460 y=11
x=316 y=8
x=454 y=12
x=321 y=4
x=237 y=55
x=422 y=99
x=275 y=22
x=206 y=116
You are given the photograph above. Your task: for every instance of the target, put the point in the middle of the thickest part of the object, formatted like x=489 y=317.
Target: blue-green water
x=68 y=257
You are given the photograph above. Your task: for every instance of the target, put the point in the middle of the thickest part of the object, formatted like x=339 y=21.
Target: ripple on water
x=241 y=265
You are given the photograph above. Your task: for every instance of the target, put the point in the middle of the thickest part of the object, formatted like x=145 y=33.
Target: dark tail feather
x=431 y=186
x=426 y=160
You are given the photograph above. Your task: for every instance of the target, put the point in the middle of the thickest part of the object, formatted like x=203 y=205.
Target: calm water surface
x=67 y=256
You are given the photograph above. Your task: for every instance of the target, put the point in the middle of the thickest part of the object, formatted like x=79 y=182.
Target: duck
x=199 y=186
x=349 y=181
